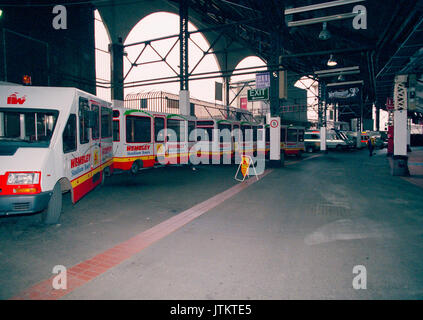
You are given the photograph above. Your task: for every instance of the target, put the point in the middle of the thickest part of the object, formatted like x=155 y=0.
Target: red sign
x=13 y=99
x=274 y=123
x=243 y=101
x=389 y=104
x=390 y=139
x=75 y=162
x=138 y=148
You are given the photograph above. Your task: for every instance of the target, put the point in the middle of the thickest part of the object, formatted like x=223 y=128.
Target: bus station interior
x=334 y=174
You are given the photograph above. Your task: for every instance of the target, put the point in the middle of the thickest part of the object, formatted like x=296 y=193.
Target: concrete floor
x=295 y=234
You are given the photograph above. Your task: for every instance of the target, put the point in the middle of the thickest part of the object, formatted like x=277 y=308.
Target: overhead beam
x=321 y=6
x=335 y=84
x=325 y=52
x=344 y=73
x=337 y=70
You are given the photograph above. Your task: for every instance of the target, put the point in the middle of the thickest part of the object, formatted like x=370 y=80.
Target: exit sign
x=258 y=94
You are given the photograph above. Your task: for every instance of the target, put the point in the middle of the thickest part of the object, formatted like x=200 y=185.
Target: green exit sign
x=258 y=94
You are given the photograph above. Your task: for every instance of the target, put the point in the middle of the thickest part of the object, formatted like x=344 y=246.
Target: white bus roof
x=58 y=98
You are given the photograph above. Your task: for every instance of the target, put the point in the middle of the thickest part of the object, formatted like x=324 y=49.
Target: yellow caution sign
x=244 y=167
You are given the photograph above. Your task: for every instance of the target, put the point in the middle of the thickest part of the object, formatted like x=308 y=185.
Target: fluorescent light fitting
x=326 y=75
x=337 y=70
x=320 y=6
x=344 y=83
x=340 y=16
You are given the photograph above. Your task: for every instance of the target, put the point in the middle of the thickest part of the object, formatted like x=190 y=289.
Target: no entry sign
x=274 y=123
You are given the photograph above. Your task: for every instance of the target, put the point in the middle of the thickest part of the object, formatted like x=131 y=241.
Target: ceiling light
x=331 y=61
x=324 y=34
x=341 y=77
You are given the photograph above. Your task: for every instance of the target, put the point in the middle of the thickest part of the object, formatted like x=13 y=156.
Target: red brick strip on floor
x=86 y=271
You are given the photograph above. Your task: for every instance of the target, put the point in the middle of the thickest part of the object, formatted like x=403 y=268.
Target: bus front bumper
x=22 y=204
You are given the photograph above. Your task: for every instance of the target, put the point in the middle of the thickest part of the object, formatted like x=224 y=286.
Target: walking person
x=370 y=146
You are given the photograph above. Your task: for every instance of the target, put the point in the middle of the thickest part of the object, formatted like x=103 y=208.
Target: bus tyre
x=282 y=161
x=51 y=214
x=135 y=167
x=104 y=174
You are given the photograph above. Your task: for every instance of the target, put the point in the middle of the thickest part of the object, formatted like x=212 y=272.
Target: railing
x=160 y=101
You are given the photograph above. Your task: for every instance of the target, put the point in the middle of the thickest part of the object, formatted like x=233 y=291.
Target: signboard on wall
x=243 y=103
x=262 y=80
x=343 y=94
x=258 y=94
x=218 y=88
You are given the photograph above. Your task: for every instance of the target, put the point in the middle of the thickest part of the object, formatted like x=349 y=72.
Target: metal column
x=400 y=159
x=183 y=42
x=184 y=96
x=378 y=117
x=274 y=75
x=322 y=115
x=116 y=50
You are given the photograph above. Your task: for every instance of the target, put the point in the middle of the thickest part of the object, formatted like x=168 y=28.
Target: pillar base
x=276 y=163
x=400 y=166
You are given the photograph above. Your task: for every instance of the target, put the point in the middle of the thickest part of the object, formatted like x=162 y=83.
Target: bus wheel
x=135 y=167
x=52 y=213
x=283 y=155
x=104 y=174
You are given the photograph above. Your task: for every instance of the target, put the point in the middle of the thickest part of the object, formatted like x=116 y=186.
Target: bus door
x=95 y=144
x=247 y=140
x=106 y=138
x=292 y=141
x=159 y=138
x=205 y=134
x=175 y=146
x=301 y=145
x=191 y=136
x=236 y=132
x=78 y=155
x=225 y=142
x=283 y=138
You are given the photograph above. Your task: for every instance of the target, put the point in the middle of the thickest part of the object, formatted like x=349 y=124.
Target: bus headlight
x=19 y=178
